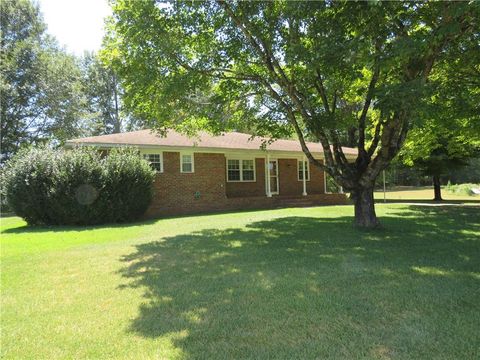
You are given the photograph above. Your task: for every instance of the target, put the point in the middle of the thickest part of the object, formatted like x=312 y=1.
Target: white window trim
x=155 y=153
x=307 y=170
x=192 y=154
x=240 y=159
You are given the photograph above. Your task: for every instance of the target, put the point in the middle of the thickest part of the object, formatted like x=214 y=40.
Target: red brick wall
x=316 y=185
x=257 y=188
x=175 y=191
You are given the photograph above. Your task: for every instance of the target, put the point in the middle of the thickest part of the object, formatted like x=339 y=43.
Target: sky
x=77 y=24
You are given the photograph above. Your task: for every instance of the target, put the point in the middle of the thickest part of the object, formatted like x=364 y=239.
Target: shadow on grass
x=25 y=229
x=429 y=201
x=305 y=287
x=34 y=229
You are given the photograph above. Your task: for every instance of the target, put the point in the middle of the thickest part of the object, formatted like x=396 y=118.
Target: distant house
x=226 y=172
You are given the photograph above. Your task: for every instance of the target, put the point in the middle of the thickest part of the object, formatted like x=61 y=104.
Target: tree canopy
x=48 y=94
x=447 y=134
x=40 y=88
x=104 y=112
x=327 y=70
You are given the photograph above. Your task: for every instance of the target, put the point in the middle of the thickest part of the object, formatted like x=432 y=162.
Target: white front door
x=273 y=169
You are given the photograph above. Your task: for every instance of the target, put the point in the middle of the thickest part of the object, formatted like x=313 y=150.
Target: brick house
x=227 y=172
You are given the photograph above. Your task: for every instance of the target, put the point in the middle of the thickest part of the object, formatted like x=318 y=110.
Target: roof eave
x=70 y=144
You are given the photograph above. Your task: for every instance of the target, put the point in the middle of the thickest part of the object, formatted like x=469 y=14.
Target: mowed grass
x=422 y=193
x=280 y=284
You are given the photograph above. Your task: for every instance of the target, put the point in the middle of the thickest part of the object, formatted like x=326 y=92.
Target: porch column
x=324 y=181
x=267 y=176
x=304 y=177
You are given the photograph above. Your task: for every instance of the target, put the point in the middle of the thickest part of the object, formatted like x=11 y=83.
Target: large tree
x=104 y=112
x=448 y=133
x=438 y=149
x=327 y=70
x=41 y=92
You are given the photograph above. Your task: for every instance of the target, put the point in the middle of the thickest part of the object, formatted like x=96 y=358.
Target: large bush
x=462 y=189
x=128 y=185
x=78 y=186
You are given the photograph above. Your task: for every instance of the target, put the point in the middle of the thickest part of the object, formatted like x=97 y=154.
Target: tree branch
x=366 y=106
x=281 y=79
x=321 y=90
x=376 y=138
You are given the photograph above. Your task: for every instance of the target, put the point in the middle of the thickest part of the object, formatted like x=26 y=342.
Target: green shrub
x=78 y=186
x=128 y=188
x=4 y=208
x=462 y=189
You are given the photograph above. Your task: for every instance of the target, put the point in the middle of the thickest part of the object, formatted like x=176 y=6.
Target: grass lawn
x=407 y=193
x=280 y=284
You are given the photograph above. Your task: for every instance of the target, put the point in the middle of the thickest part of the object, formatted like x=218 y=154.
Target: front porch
x=275 y=176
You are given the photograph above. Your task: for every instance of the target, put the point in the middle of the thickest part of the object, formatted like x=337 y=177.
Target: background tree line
x=47 y=94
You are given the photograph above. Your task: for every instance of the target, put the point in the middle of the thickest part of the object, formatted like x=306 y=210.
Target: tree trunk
x=365 y=216
x=437 y=189
x=116 y=128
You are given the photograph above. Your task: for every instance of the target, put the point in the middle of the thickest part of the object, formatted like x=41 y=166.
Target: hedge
x=78 y=186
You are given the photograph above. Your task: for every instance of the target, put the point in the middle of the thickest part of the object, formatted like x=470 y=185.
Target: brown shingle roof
x=229 y=140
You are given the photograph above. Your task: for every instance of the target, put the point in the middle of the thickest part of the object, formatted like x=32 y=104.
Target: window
x=186 y=163
x=233 y=170
x=240 y=170
x=300 y=170
x=248 y=171
x=155 y=161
